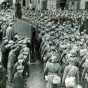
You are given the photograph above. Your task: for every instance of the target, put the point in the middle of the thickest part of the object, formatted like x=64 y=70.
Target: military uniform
x=10 y=65
x=10 y=33
x=71 y=71
x=18 y=12
x=5 y=52
x=50 y=70
x=26 y=56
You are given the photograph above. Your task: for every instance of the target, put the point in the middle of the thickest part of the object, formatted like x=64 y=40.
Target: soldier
x=1 y=33
x=85 y=74
x=26 y=55
x=12 y=59
x=18 y=80
x=52 y=72
x=71 y=74
x=84 y=26
x=10 y=33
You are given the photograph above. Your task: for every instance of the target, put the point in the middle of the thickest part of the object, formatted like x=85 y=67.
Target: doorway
x=62 y=4
x=86 y=5
x=44 y=5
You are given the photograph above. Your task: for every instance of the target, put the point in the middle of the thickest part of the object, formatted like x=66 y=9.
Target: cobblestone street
x=35 y=79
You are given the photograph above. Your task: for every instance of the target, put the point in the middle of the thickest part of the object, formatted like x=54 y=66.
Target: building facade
x=41 y=4
x=36 y=4
x=53 y=4
x=73 y=4
x=84 y=4
x=77 y=4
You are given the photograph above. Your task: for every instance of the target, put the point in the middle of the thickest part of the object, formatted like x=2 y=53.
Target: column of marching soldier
x=15 y=53
x=6 y=17
x=63 y=47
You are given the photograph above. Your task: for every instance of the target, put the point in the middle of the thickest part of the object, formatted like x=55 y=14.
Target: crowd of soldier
x=63 y=46
x=15 y=53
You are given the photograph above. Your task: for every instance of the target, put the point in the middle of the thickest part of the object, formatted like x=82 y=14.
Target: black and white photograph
x=43 y=43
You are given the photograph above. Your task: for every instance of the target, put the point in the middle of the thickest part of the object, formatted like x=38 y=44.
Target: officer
x=12 y=59
x=2 y=77
x=26 y=54
x=1 y=33
x=18 y=12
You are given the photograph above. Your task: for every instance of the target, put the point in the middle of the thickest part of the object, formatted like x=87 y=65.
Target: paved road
x=36 y=70
x=36 y=77
x=22 y=27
